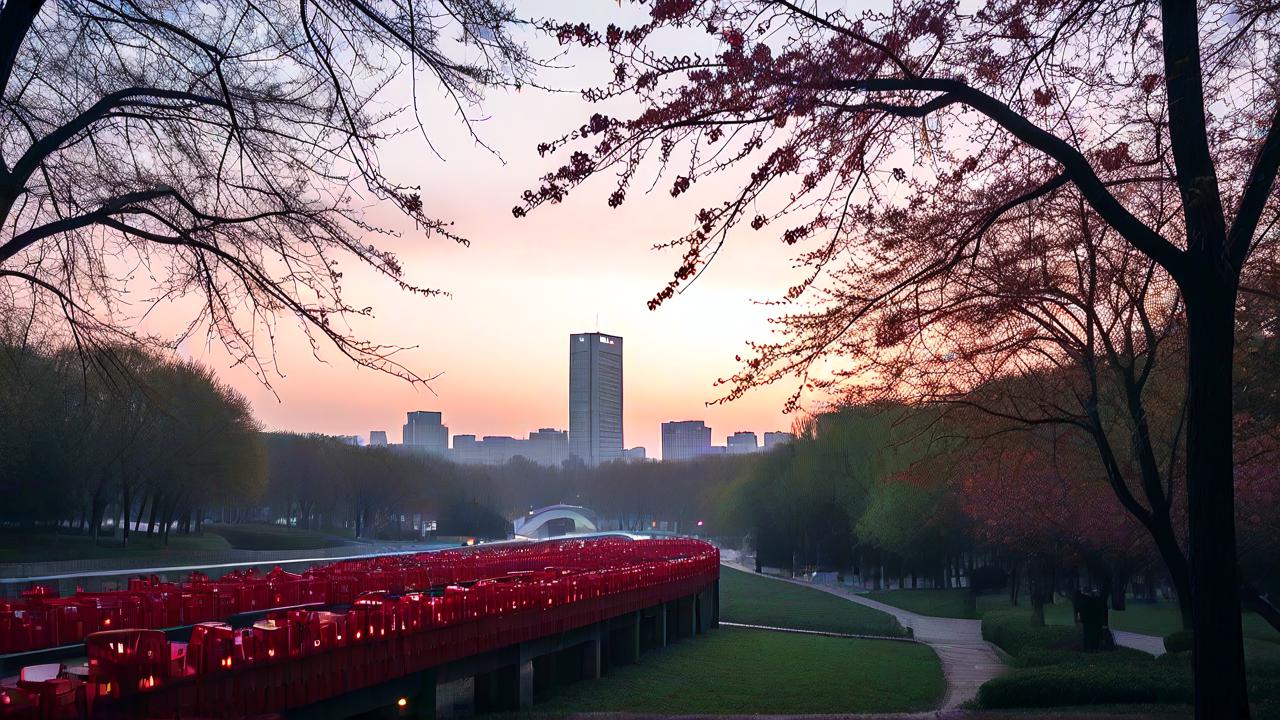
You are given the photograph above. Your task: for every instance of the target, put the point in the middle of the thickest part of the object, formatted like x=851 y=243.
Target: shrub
x=1034 y=657
x=1013 y=631
x=1088 y=683
x=988 y=578
x=1176 y=642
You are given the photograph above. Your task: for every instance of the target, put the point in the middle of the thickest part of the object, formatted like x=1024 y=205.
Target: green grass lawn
x=18 y=546
x=937 y=603
x=264 y=536
x=731 y=670
x=44 y=546
x=753 y=600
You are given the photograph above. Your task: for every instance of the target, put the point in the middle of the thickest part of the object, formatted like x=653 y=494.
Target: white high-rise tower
x=595 y=397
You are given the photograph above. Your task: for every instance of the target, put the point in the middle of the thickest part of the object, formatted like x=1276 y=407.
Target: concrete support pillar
x=662 y=626
x=624 y=639
x=455 y=698
x=591 y=657
x=631 y=638
x=704 y=610
x=546 y=674
x=686 y=623
x=515 y=686
x=715 y=604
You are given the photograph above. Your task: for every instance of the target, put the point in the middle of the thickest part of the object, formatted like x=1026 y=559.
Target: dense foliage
x=132 y=438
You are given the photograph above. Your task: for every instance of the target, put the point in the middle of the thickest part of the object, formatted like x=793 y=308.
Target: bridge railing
x=396 y=615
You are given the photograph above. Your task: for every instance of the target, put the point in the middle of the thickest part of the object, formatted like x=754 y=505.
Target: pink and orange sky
x=519 y=290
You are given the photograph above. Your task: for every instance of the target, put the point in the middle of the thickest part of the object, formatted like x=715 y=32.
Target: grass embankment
x=752 y=600
x=263 y=536
x=733 y=670
x=738 y=671
x=44 y=546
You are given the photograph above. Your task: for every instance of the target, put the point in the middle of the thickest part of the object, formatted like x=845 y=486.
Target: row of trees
x=908 y=495
x=126 y=441
x=119 y=434
x=321 y=482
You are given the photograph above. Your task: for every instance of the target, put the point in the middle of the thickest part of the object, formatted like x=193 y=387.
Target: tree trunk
x=137 y=518
x=1218 y=645
x=151 y=519
x=1176 y=563
x=1119 y=583
x=1013 y=585
x=125 y=505
x=95 y=517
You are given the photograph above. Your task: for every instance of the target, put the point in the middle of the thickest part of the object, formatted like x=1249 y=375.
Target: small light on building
x=699 y=523
x=402 y=702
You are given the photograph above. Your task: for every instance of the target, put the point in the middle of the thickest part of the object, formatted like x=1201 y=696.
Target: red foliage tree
x=1133 y=109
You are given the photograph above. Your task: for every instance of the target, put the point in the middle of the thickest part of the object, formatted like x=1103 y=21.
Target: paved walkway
x=1146 y=643
x=967 y=660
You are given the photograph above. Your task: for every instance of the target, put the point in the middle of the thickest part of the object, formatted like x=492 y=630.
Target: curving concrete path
x=967 y=660
x=1149 y=644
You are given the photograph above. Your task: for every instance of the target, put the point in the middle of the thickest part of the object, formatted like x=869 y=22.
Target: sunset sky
x=501 y=340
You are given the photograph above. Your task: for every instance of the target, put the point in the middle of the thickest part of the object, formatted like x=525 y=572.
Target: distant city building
x=595 y=397
x=501 y=449
x=635 y=454
x=377 y=438
x=548 y=446
x=742 y=442
x=774 y=439
x=424 y=432
x=718 y=450
x=685 y=439
x=349 y=439
x=466 y=449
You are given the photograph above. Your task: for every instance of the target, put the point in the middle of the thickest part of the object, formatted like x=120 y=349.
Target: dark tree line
x=321 y=482
x=119 y=434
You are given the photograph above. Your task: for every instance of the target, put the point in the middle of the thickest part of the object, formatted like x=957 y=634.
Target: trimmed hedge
x=1177 y=642
x=1013 y=632
x=1055 y=671
x=1088 y=684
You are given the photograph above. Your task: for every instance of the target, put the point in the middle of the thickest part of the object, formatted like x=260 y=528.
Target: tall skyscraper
x=685 y=439
x=595 y=397
x=377 y=438
x=424 y=432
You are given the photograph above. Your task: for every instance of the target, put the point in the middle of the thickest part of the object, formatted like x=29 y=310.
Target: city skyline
x=521 y=286
x=549 y=445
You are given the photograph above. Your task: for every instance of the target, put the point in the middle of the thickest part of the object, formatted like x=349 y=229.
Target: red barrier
x=407 y=613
